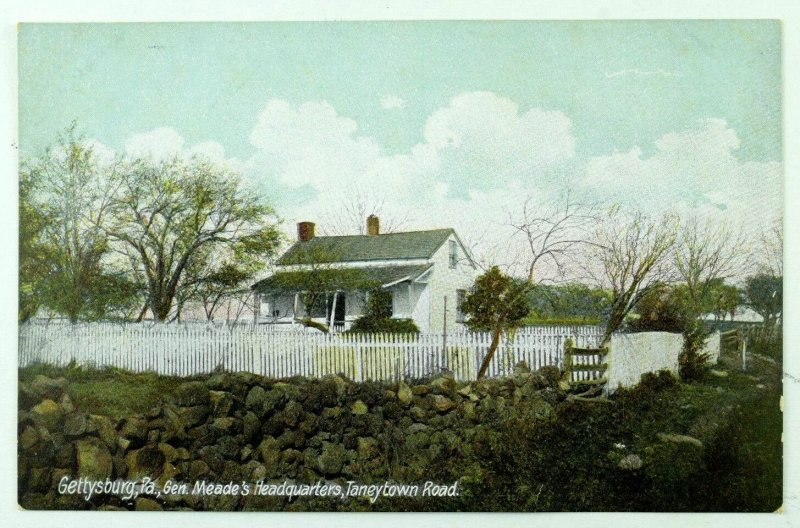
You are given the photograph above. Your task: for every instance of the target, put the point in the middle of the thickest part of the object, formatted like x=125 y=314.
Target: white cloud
x=480 y=159
x=390 y=102
x=159 y=144
x=484 y=142
x=694 y=172
x=477 y=147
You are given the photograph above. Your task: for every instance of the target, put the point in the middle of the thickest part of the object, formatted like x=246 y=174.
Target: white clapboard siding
x=190 y=349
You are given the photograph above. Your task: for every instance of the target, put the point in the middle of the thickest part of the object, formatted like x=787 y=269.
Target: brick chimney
x=373 y=225
x=305 y=231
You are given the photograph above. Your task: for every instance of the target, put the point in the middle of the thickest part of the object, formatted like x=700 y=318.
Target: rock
x=169 y=452
x=28 y=437
x=418 y=413
x=104 y=428
x=145 y=462
x=191 y=394
x=134 y=429
x=39 y=479
x=521 y=368
x=251 y=426
x=338 y=382
x=331 y=413
x=443 y=384
x=563 y=385
x=228 y=447
x=332 y=459
x=212 y=455
x=66 y=403
x=442 y=403
x=65 y=456
x=270 y=452
x=630 y=463
x=718 y=373
x=48 y=414
x=368 y=447
x=223 y=425
x=293 y=413
x=416 y=428
x=404 y=394
x=680 y=439
x=220 y=381
x=262 y=402
x=420 y=390
x=145 y=504
x=221 y=403
x=198 y=469
x=359 y=408
x=193 y=416
x=93 y=459
x=75 y=424
x=48 y=388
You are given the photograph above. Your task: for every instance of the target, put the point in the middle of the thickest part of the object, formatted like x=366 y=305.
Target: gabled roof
x=389 y=246
x=379 y=275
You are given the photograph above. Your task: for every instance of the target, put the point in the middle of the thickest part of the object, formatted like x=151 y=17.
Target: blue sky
x=441 y=123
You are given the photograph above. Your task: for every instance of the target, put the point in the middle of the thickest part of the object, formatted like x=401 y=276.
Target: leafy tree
x=170 y=216
x=724 y=300
x=496 y=304
x=568 y=301
x=764 y=294
x=660 y=309
x=66 y=262
x=34 y=252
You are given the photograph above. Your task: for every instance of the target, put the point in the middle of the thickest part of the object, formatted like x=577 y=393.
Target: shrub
x=378 y=317
x=657 y=381
x=693 y=363
x=370 y=325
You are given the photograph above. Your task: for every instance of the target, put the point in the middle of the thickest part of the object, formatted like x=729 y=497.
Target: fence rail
x=184 y=350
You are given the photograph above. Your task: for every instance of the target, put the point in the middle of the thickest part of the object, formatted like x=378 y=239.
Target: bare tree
x=630 y=255
x=351 y=215
x=704 y=255
x=772 y=247
x=553 y=235
x=499 y=303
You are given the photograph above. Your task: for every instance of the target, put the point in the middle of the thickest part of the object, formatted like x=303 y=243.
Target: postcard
x=401 y=265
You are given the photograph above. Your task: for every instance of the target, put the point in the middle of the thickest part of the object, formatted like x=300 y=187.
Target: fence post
x=359 y=361
x=744 y=353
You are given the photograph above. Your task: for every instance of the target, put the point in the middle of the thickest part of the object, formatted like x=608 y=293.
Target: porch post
x=333 y=308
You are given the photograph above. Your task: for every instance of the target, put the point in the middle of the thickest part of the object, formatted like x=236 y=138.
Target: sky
x=438 y=123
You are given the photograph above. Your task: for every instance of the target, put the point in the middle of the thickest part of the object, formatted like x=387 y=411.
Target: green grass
x=111 y=392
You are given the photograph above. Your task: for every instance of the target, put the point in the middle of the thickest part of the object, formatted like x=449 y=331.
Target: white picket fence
x=189 y=349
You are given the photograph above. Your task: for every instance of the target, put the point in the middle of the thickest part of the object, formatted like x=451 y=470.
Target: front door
x=336 y=305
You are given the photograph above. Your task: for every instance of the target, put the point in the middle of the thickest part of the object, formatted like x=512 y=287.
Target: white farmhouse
x=427 y=272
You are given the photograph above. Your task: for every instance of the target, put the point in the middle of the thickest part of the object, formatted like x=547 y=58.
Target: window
x=460 y=296
x=453 y=254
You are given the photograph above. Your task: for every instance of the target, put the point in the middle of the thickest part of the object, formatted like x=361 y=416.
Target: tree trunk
x=310 y=323
x=490 y=353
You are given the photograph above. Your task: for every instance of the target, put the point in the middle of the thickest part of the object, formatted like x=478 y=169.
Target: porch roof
x=378 y=275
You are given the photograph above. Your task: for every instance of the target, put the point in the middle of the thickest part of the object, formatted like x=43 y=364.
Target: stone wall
x=245 y=428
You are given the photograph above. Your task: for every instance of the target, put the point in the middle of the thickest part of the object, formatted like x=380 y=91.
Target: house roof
x=389 y=246
x=380 y=275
